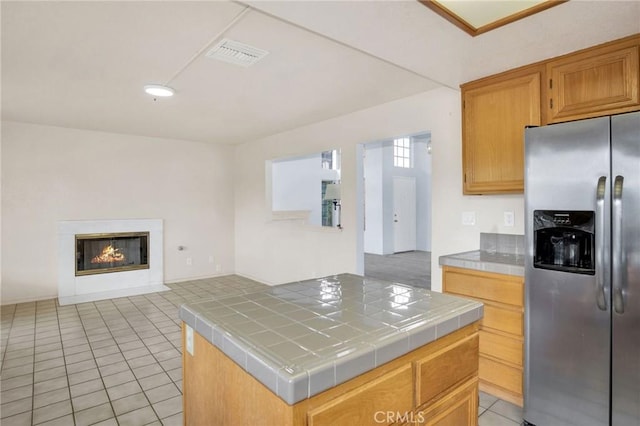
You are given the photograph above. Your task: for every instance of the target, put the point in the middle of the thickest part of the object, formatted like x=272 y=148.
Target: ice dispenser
x=564 y=241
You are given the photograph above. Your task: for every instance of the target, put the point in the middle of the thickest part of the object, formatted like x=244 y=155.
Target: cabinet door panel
x=584 y=85
x=494 y=117
x=460 y=408
x=442 y=370
x=391 y=392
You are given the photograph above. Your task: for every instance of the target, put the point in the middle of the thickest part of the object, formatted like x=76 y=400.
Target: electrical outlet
x=189 y=339
x=469 y=218
x=218 y=268
x=210 y=259
x=189 y=261
x=509 y=219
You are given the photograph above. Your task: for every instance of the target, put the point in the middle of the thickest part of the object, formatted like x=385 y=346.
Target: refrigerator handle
x=616 y=230
x=601 y=298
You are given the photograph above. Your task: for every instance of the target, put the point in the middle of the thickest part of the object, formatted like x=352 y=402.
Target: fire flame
x=109 y=254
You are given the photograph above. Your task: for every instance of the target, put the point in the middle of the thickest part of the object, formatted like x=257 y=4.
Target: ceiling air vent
x=236 y=53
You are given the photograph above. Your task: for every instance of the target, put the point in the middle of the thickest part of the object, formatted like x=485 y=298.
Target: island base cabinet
x=218 y=391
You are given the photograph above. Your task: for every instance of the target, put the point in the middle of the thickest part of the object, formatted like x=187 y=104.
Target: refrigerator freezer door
x=625 y=141
x=567 y=324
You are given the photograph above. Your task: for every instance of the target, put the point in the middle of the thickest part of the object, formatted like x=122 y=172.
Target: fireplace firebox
x=114 y=252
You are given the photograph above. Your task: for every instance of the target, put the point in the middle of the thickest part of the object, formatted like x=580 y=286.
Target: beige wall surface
x=212 y=197
x=51 y=174
x=281 y=251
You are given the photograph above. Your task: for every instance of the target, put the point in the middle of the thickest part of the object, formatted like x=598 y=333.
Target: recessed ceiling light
x=159 y=90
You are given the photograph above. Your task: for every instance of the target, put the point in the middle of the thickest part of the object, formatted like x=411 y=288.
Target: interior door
x=404 y=214
x=625 y=143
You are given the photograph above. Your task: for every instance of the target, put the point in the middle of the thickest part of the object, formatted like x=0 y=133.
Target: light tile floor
x=116 y=361
x=496 y=412
x=111 y=362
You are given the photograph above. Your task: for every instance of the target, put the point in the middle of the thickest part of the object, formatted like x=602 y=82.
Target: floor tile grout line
x=97 y=367
x=33 y=372
x=503 y=416
x=33 y=385
x=6 y=345
x=146 y=347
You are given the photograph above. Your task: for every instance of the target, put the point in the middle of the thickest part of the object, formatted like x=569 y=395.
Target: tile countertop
x=302 y=338
x=499 y=253
x=481 y=260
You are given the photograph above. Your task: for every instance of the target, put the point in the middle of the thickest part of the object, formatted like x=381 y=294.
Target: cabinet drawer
x=444 y=369
x=501 y=375
x=507 y=320
x=484 y=285
x=460 y=408
x=391 y=392
x=501 y=347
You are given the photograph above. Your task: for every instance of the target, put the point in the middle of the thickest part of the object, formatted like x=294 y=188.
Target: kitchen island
x=337 y=350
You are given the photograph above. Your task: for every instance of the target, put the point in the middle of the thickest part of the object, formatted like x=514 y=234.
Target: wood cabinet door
x=367 y=404
x=495 y=114
x=592 y=84
x=442 y=371
x=459 y=408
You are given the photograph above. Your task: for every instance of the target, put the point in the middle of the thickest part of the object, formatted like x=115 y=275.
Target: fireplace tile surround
x=86 y=288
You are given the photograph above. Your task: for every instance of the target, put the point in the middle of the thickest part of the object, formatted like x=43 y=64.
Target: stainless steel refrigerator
x=582 y=273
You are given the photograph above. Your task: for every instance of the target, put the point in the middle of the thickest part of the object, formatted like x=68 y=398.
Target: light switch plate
x=469 y=218
x=189 y=339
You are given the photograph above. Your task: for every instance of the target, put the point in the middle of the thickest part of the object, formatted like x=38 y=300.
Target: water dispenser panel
x=564 y=241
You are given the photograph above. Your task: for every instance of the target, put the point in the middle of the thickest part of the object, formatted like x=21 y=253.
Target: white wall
x=423 y=200
x=373 y=186
x=278 y=252
x=52 y=173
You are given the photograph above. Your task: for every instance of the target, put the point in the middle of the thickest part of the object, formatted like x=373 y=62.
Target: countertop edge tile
x=479 y=260
x=354 y=364
x=392 y=348
x=292 y=387
x=321 y=378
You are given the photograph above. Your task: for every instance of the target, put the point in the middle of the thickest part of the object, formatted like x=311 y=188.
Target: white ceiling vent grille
x=236 y=53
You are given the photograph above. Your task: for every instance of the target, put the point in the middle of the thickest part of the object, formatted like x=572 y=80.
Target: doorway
x=394 y=208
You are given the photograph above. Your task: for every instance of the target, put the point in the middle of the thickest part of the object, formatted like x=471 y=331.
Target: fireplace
x=113 y=252
x=87 y=249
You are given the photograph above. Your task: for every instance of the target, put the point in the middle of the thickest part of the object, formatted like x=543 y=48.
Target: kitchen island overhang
x=306 y=339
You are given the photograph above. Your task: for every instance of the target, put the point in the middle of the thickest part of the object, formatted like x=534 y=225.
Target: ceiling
x=84 y=64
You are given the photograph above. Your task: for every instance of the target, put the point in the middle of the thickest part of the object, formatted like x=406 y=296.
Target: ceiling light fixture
x=159 y=90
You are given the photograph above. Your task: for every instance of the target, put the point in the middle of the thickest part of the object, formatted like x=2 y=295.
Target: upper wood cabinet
x=598 y=81
x=588 y=84
x=495 y=112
